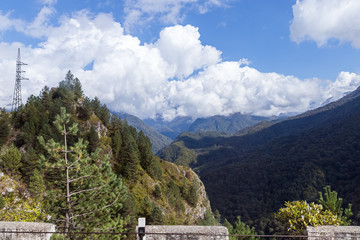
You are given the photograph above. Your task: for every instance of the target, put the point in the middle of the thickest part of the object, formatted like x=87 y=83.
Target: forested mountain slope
x=115 y=178
x=253 y=175
x=157 y=139
x=172 y=128
x=225 y=124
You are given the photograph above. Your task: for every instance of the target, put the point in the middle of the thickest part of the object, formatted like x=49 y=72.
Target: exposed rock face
x=159 y=232
x=203 y=203
x=13 y=230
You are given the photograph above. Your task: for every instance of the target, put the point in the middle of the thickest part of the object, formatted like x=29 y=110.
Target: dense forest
x=254 y=172
x=65 y=159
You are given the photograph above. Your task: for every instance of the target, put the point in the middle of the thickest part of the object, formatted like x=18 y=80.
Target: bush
x=299 y=214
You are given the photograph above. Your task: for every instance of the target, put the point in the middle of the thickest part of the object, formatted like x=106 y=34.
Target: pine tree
x=116 y=138
x=91 y=195
x=36 y=185
x=157 y=216
x=12 y=161
x=129 y=156
x=77 y=88
x=148 y=162
x=4 y=126
x=144 y=145
x=240 y=228
x=192 y=197
x=93 y=139
x=332 y=203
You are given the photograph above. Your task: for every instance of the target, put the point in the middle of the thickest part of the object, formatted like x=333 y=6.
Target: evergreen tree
x=46 y=97
x=36 y=185
x=91 y=195
x=68 y=82
x=65 y=92
x=332 y=203
x=146 y=207
x=93 y=139
x=116 y=145
x=84 y=110
x=239 y=228
x=148 y=162
x=115 y=129
x=157 y=216
x=4 y=126
x=192 y=197
x=77 y=89
x=12 y=161
x=154 y=170
x=129 y=156
x=101 y=111
x=29 y=162
x=208 y=220
x=144 y=145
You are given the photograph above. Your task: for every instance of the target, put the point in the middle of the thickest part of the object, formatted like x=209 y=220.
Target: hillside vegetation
x=252 y=174
x=115 y=176
x=158 y=141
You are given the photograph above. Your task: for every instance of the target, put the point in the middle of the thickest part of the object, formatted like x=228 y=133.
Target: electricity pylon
x=17 y=101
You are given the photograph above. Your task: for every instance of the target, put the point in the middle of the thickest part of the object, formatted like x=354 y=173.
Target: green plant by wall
x=299 y=214
x=331 y=202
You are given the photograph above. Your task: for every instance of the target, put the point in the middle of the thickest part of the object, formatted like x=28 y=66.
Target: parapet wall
x=334 y=232
x=159 y=232
x=15 y=230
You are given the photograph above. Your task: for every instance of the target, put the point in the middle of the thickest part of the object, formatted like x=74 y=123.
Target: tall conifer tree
x=91 y=195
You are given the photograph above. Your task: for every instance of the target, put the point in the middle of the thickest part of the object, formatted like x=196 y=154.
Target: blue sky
x=187 y=57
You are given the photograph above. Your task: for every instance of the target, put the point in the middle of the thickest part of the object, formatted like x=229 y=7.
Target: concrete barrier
x=25 y=230
x=176 y=232
x=333 y=232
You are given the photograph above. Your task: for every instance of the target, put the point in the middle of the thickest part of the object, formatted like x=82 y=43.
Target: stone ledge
x=333 y=232
x=180 y=232
x=26 y=227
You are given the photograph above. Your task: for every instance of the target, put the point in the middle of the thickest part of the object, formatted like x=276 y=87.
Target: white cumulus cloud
x=176 y=75
x=180 y=46
x=323 y=20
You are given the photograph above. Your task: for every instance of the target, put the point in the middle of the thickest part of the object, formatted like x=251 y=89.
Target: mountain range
x=253 y=172
x=161 y=133
x=158 y=140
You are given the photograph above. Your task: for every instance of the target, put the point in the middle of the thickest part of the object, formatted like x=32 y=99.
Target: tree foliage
x=299 y=214
x=36 y=185
x=4 y=127
x=104 y=155
x=89 y=194
x=331 y=202
x=12 y=161
x=240 y=228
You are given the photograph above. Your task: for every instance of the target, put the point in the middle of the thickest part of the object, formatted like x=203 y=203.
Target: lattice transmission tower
x=17 y=101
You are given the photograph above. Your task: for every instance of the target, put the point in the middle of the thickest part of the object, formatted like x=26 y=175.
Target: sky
x=198 y=58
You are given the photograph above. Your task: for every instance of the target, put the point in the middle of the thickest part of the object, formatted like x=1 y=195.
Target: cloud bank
x=176 y=75
x=324 y=20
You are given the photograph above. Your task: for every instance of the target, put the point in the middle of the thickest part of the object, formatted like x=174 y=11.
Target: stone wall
x=334 y=232
x=12 y=230
x=158 y=232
